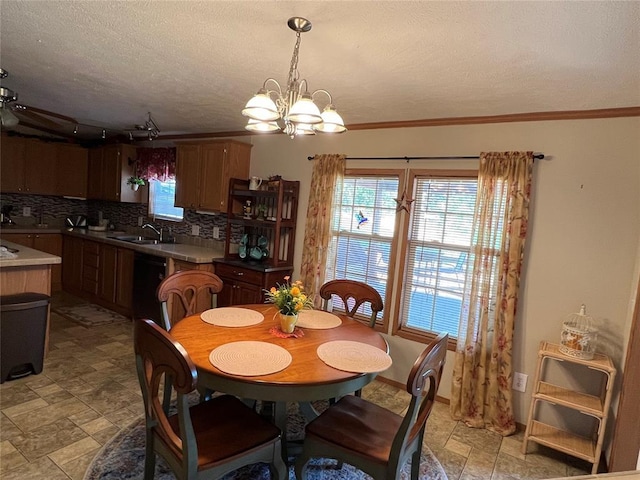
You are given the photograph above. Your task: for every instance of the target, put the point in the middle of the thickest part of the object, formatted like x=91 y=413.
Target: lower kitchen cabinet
x=124 y=279
x=99 y=272
x=244 y=285
x=45 y=242
x=72 y=264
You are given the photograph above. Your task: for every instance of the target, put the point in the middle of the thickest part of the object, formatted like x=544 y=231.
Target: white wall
x=584 y=232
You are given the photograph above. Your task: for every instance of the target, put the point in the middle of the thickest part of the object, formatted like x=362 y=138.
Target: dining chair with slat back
x=204 y=441
x=353 y=294
x=372 y=438
x=187 y=286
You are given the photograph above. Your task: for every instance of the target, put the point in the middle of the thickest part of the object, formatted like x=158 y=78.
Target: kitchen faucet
x=159 y=232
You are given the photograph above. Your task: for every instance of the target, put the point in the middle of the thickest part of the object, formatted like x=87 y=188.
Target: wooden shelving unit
x=596 y=406
x=268 y=214
x=279 y=199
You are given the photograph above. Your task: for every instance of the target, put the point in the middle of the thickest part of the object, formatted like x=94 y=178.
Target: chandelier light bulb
x=331 y=121
x=304 y=111
x=261 y=107
x=262 y=127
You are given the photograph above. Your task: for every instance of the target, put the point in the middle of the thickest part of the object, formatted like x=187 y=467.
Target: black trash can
x=23 y=326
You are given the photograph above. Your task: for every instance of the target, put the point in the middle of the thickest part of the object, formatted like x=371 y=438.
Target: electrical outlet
x=140 y=221
x=216 y=232
x=195 y=230
x=26 y=211
x=520 y=381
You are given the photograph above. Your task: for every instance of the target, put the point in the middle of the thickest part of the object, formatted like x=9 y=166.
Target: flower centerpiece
x=290 y=299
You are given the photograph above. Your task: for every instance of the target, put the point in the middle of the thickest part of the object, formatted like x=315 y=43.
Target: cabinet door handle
x=239 y=274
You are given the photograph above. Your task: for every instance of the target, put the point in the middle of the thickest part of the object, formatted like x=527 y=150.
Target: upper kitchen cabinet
x=109 y=168
x=27 y=166
x=72 y=170
x=203 y=171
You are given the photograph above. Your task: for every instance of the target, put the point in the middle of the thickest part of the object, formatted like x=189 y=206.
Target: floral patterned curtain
x=328 y=172
x=156 y=163
x=481 y=388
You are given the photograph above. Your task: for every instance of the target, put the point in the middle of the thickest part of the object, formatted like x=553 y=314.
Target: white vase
x=135 y=187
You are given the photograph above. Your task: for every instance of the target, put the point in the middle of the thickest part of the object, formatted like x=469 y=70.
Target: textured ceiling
x=194 y=64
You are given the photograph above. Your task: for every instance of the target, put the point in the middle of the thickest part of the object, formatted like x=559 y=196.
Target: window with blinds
x=439 y=241
x=162 y=196
x=363 y=234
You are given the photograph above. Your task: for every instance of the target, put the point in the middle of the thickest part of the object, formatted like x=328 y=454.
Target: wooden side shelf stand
x=595 y=406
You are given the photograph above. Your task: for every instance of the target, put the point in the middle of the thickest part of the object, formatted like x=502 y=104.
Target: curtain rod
x=538 y=156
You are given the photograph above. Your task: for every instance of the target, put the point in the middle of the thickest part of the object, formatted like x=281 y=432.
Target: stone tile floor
x=54 y=423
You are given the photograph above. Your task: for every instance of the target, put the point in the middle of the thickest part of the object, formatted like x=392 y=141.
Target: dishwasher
x=148 y=272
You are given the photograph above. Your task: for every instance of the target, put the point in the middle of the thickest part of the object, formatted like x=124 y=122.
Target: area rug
x=122 y=458
x=89 y=314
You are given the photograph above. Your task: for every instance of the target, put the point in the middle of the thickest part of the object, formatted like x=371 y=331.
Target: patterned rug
x=89 y=314
x=122 y=458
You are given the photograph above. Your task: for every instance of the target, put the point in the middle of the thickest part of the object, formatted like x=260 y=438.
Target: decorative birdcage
x=578 y=338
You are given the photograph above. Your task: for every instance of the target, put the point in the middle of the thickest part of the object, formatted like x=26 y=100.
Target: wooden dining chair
x=353 y=294
x=372 y=438
x=189 y=287
x=205 y=441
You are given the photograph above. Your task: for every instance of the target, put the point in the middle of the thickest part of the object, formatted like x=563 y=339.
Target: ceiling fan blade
x=22 y=108
x=36 y=117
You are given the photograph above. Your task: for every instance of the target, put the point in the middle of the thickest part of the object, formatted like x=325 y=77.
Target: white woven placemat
x=317 y=319
x=249 y=358
x=232 y=317
x=354 y=357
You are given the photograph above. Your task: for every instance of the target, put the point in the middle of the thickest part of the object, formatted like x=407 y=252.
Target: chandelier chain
x=293 y=69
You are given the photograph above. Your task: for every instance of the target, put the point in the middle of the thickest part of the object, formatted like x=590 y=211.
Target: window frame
x=397 y=328
x=382 y=322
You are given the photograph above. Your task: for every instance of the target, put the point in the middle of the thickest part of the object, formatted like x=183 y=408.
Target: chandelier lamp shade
x=292 y=110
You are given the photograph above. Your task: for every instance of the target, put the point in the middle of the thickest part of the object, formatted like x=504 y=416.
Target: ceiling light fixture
x=149 y=126
x=7 y=118
x=295 y=108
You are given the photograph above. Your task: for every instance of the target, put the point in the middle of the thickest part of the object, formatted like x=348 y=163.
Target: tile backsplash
x=124 y=216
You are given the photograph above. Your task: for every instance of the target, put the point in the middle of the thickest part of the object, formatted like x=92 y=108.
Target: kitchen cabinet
x=244 y=285
x=110 y=167
x=27 y=166
x=107 y=268
x=99 y=272
x=72 y=264
x=90 y=264
x=595 y=406
x=72 y=163
x=45 y=242
x=124 y=279
x=203 y=171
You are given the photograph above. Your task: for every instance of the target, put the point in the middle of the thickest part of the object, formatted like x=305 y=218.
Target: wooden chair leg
x=149 y=457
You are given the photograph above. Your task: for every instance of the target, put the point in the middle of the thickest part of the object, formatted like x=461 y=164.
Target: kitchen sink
x=137 y=239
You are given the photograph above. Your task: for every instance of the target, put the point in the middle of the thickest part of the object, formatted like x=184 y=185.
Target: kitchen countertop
x=177 y=251
x=27 y=256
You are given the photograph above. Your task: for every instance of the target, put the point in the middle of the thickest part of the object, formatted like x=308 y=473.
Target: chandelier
x=7 y=118
x=293 y=110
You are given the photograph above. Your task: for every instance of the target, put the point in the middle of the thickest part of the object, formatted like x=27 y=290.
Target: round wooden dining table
x=307 y=378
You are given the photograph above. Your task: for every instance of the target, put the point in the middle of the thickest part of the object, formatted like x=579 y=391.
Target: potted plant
x=289 y=299
x=135 y=183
